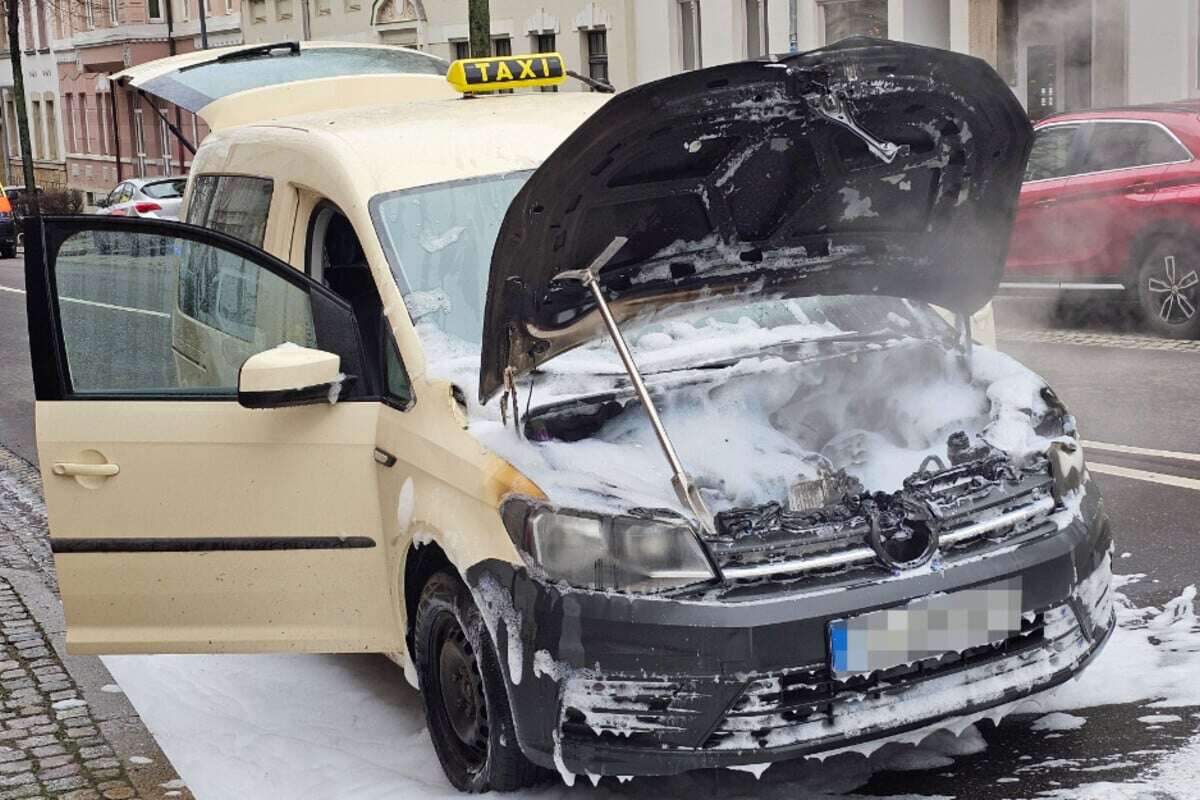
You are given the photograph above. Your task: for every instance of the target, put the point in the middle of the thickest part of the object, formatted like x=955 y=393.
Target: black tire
x=8 y=251
x=462 y=688
x=1168 y=286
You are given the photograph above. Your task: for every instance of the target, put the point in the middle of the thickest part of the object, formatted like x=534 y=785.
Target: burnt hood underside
x=866 y=167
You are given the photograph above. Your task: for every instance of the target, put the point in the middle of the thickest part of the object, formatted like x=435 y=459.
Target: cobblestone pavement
x=59 y=738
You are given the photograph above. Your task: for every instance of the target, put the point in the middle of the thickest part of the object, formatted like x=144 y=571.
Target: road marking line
x=98 y=304
x=1144 y=475
x=1140 y=451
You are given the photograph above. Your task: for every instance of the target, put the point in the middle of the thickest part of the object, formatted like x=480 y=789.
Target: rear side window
x=164 y=190
x=1119 y=145
x=1051 y=154
x=236 y=205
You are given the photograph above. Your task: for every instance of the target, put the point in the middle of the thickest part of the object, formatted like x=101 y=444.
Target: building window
x=544 y=43
x=844 y=18
x=323 y=8
x=10 y=120
x=87 y=128
x=258 y=11
x=1006 y=42
x=228 y=7
x=73 y=110
x=353 y=5
x=139 y=142
x=283 y=9
x=164 y=138
x=597 y=52
x=756 y=28
x=112 y=12
x=185 y=10
x=89 y=15
x=502 y=47
x=103 y=120
x=35 y=118
x=51 y=130
x=460 y=50
x=689 y=30
x=208 y=7
x=43 y=26
x=154 y=9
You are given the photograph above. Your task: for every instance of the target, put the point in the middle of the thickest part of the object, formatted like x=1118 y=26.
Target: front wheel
x=1169 y=287
x=8 y=250
x=462 y=688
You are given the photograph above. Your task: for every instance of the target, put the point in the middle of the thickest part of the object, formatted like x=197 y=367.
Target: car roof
x=1159 y=112
x=414 y=143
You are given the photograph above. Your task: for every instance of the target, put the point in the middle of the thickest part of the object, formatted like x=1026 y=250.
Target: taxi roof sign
x=506 y=72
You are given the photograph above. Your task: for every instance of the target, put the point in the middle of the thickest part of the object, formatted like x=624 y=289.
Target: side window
x=1119 y=145
x=233 y=204
x=146 y=314
x=1051 y=154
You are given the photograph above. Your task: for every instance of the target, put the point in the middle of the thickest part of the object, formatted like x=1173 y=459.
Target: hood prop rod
x=685 y=488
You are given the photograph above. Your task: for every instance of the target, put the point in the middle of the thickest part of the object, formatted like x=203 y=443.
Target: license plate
x=925 y=628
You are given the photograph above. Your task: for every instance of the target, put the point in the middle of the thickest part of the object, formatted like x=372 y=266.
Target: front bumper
x=625 y=685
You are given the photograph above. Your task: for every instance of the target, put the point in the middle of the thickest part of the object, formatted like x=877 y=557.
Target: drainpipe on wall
x=203 y=25
x=171 y=50
x=115 y=92
x=305 y=20
x=793 y=27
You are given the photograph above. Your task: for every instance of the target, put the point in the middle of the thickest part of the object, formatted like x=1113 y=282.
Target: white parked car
x=157 y=198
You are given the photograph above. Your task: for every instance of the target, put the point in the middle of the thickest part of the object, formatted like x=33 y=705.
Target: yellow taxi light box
x=506 y=72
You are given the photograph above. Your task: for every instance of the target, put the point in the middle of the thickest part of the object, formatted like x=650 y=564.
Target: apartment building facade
x=111 y=133
x=43 y=101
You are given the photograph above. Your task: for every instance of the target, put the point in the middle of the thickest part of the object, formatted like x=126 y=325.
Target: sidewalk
x=66 y=730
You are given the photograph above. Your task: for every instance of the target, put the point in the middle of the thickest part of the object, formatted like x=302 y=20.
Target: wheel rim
x=462 y=697
x=1172 y=292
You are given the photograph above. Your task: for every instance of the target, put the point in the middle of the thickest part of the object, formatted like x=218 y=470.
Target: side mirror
x=102 y=202
x=290 y=375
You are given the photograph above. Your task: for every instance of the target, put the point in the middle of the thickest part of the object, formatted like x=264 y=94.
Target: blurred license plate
x=925 y=628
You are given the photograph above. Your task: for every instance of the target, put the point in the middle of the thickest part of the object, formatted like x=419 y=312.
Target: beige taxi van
x=622 y=422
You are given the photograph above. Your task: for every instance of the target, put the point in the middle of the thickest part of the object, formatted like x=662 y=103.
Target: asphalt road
x=1135 y=399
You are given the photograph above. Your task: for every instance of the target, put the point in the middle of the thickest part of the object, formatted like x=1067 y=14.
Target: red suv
x=1111 y=202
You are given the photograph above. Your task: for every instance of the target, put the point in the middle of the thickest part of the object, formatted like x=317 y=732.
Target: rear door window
x=1051 y=154
x=164 y=190
x=236 y=205
x=1121 y=145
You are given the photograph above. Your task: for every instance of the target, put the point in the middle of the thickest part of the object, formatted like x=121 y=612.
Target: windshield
x=439 y=240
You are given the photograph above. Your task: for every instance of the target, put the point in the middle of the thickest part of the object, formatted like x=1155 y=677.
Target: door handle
x=1049 y=201
x=1142 y=188
x=68 y=469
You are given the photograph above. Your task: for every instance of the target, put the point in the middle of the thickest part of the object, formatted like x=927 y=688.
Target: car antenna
x=685 y=487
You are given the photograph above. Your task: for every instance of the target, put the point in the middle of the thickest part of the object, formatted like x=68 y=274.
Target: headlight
x=618 y=553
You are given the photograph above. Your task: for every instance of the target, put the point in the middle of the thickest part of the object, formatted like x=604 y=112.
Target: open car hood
x=866 y=167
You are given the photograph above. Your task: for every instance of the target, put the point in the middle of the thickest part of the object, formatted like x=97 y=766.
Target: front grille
x=971 y=508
